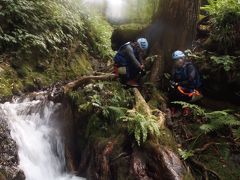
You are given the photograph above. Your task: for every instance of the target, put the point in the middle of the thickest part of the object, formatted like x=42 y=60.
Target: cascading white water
x=40 y=147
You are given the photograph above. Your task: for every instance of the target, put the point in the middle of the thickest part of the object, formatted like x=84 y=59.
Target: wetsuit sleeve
x=130 y=53
x=191 y=72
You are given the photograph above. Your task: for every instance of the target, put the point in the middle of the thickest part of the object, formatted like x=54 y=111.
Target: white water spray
x=41 y=150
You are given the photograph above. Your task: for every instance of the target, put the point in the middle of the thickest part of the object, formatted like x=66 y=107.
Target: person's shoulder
x=129 y=47
x=189 y=64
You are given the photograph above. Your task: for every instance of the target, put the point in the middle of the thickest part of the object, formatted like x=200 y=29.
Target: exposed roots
x=205 y=170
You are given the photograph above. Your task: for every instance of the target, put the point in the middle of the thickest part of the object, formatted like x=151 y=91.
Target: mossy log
x=86 y=79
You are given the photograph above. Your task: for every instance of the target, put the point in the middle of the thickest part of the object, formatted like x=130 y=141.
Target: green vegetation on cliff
x=45 y=41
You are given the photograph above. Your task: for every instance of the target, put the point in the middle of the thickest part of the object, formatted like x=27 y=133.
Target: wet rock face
x=8 y=155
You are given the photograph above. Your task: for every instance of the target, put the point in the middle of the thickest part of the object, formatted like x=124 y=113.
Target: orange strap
x=195 y=92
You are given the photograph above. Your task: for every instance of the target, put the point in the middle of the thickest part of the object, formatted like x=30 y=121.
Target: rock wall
x=8 y=155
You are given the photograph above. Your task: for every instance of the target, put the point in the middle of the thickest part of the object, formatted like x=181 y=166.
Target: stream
x=34 y=127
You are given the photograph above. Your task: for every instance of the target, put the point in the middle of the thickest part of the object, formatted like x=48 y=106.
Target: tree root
x=142 y=107
x=204 y=168
x=205 y=147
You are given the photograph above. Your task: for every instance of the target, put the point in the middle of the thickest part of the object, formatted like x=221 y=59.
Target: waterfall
x=33 y=125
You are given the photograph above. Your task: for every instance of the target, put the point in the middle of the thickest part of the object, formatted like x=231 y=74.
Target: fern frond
x=208 y=128
x=113 y=112
x=185 y=154
x=236 y=133
x=137 y=135
x=141 y=126
x=197 y=111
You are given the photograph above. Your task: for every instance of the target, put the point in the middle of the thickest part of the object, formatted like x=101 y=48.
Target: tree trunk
x=173 y=27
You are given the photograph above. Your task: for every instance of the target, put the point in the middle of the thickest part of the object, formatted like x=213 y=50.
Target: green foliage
x=114 y=113
x=225 y=26
x=236 y=133
x=140 y=126
x=216 y=119
x=227 y=62
x=142 y=11
x=38 y=27
x=100 y=45
x=185 y=154
x=219 y=119
x=50 y=28
x=52 y=38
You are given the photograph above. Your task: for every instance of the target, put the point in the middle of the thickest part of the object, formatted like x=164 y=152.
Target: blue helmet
x=177 y=55
x=143 y=43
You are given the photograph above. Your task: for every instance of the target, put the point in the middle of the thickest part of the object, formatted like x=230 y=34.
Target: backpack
x=119 y=58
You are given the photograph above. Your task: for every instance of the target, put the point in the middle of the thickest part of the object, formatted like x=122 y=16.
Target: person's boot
x=175 y=112
x=132 y=83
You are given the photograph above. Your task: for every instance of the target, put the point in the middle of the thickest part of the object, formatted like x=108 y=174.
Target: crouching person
x=186 y=81
x=128 y=61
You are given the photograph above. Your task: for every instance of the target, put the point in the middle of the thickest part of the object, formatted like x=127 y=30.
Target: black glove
x=173 y=84
x=142 y=72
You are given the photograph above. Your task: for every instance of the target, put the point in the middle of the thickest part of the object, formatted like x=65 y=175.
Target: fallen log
x=86 y=79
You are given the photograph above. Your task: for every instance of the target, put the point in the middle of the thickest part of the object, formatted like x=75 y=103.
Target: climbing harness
x=189 y=94
x=195 y=95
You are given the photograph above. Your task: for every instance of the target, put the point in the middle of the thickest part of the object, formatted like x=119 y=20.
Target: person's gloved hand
x=173 y=84
x=142 y=72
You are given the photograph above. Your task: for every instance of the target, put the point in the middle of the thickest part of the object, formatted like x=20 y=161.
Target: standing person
x=129 y=62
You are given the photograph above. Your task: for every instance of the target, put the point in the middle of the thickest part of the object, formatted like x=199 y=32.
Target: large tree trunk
x=173 y=27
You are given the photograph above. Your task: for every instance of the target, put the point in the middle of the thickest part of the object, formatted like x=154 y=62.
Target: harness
x=189 y=94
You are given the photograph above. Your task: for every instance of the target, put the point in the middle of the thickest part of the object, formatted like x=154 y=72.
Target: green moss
x=26 y=76
x=99 y=34
x=166 y=138
x=9 y=81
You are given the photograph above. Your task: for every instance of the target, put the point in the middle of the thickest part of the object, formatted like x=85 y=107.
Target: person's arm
x=130 y=53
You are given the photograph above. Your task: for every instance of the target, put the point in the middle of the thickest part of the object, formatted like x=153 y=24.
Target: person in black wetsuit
x=129 y=62
x=185 y=79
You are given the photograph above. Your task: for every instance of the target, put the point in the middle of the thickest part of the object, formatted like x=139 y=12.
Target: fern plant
x=140 y=126
x=185 y=154
x=225 y=22
x=219 y=119
x=216 y=119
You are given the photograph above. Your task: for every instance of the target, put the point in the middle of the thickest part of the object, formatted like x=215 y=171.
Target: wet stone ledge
x=9 y=161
